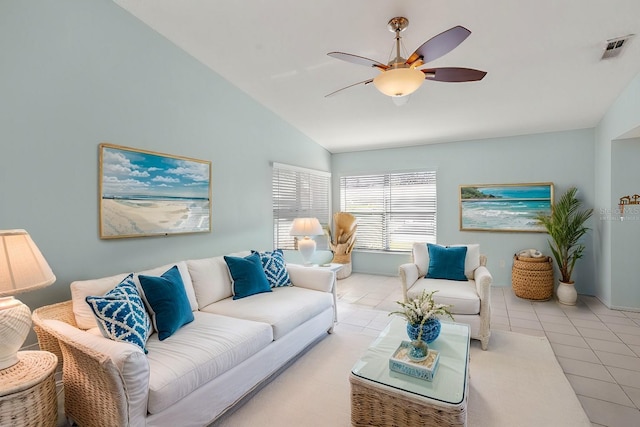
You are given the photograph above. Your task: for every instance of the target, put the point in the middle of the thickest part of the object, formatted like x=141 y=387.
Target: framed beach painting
x=504 y=207
x=144 y=193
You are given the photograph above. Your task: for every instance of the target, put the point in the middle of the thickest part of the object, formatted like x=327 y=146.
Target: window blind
x=393 y=210
x=297 y=193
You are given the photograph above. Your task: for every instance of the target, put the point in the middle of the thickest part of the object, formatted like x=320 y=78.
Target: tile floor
x=598 y=348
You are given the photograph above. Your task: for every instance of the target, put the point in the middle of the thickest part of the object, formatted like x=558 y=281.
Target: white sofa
x=205 y=367
x=470 y=300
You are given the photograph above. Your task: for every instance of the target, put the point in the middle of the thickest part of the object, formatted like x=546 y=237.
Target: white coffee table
x=381 y=397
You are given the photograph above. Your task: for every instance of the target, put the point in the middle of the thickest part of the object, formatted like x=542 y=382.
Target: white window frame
x=392 y=213
x=298 y=192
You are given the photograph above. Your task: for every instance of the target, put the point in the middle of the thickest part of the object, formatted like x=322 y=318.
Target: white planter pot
x=567 y=293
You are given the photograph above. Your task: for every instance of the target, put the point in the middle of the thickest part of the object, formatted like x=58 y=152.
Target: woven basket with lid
x=532 y=278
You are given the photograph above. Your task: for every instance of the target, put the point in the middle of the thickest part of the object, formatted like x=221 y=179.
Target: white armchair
x=470 y=300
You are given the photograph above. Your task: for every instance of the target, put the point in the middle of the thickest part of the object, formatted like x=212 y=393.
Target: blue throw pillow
x=167 y=301
x=274 y=268
x=247 y=275
x=446 y=262
x=121 y=315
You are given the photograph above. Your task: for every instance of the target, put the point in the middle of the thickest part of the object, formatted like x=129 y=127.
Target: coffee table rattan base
x=374 y=404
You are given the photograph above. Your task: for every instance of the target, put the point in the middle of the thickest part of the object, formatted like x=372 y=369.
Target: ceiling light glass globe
x=399 y=81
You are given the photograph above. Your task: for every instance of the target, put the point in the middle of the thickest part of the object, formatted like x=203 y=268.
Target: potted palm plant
x=566 y=226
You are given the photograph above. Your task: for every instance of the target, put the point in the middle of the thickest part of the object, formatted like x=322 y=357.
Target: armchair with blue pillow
x=460 y=275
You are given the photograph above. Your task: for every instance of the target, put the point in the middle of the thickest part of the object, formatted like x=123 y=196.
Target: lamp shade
x=399 y=81
x=22 y=266
x=306 y=227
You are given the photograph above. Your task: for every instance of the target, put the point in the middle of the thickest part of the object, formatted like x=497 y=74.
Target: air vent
x=614 y=47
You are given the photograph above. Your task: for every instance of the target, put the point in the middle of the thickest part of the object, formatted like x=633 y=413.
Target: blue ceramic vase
x=430 y=330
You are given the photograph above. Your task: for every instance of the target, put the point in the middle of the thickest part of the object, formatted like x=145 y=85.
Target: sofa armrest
x=483 y=283
x=314 y=278
x=105 y=382
x=484 y=280
x=409 y=274
x=62 y=311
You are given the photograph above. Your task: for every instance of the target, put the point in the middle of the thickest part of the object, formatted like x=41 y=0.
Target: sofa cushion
x=198 y=353
x=211 y=280
x=471 y=262
x=81 y=289
x=274 y=268
x=167 y=301
x=247 y=276
x=121 y=315
x=184 y=274
x=284 y=309
x=462 y=296
x=446 y=262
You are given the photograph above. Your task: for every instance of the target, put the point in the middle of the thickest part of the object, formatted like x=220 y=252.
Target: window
x=393 y=210
x=297 y=193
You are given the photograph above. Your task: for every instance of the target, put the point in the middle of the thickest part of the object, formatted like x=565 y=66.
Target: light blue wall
x=603 y=210
x=625 y=180
x=76 y=73
x=564 y=158
x=621 y=118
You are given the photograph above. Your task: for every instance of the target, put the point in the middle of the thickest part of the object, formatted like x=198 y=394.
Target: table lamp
x=305 y=228
x=22 y=269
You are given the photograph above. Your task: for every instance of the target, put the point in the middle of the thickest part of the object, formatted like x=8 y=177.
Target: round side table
x=28 y=391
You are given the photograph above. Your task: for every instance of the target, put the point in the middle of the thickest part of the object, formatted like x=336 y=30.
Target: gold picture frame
x=146 y=193
x=504 y=207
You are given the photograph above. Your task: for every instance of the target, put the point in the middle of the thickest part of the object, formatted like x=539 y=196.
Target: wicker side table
x=28 y=391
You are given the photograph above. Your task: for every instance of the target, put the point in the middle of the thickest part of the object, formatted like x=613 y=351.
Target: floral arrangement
x=418 y=310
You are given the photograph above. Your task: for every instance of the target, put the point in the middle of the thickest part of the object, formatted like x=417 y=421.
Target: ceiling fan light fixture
x=399 y=81
x=400 y=77
x=399 y=101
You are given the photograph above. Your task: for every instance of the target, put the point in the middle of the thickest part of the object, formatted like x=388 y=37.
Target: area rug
x=517 y=382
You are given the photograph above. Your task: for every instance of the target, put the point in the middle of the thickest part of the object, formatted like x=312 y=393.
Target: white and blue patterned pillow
x=274 y=268
x=121 y=314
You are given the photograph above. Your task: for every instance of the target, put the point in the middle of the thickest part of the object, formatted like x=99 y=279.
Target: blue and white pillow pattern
x=274 y=268
x=121 y=314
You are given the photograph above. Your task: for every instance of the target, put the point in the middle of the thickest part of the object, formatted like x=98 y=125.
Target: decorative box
x=424 y=370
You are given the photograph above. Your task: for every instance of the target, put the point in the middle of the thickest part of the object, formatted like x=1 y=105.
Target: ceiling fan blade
x=365 y=82
x=360 y=60
x=453 y=74
x=438 y=45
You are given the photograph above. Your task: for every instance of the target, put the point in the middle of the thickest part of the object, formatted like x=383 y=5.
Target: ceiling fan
x=401 y=77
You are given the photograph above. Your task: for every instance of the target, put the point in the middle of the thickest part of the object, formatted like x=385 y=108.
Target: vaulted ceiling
x=543 y=60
